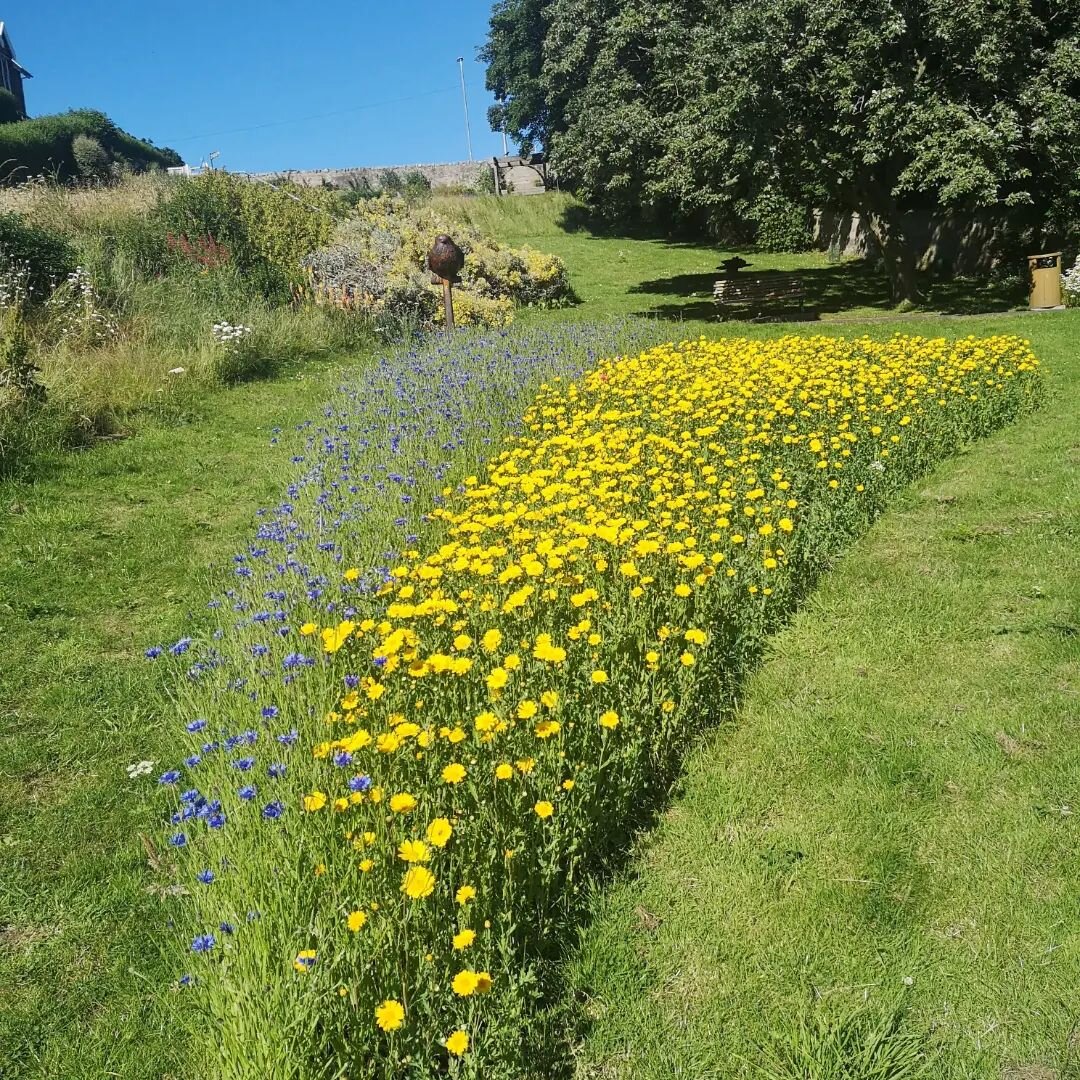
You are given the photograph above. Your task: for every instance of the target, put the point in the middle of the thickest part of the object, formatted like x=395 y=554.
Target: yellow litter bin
x=1045 y=273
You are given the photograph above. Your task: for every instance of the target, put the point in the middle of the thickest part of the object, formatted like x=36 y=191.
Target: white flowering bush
x=75 y=312
x=236 y=352
x=1070 y=281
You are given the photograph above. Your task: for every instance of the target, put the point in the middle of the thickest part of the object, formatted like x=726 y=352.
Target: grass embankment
x=876 y=862
x=102 y=554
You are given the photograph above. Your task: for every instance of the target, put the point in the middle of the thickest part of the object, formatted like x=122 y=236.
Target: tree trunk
x=898 y=256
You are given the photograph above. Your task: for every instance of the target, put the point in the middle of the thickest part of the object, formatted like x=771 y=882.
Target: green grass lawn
x=105 y=552
x=872 y=870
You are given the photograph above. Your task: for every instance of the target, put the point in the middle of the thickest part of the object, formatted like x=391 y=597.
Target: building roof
x=5 y=41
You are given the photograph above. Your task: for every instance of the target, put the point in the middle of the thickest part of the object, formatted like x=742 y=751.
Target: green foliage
x=9 y=107
x=91 y=161
x=680 y=108
x=391 y=182
x=416 y=186
x=485 y=181
x=515 y=72
x=44 y=145
x=779 y=223
x=263 y=231
x=46 y=257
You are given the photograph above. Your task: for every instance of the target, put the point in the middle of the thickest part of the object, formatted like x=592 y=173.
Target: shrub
x=44 y=145
x=220 y=218
x=485 y=181
x=91 y=161
x=416 y=185
x=46 y=257
x=378 y=264
x=380 y=844
x=779 y=224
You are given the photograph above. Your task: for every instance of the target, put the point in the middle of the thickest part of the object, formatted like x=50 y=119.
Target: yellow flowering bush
x=377 y=263
x=528 y=681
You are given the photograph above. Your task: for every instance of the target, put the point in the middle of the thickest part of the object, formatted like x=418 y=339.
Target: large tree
x=685 y=107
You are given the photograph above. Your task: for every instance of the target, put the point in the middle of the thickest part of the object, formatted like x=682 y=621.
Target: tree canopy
x=682 y=108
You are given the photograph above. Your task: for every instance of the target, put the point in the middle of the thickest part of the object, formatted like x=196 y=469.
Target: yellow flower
x=390 y=1015
x=546 y=728
x=356 y=920
x=503 y=771
x=454 y=773
x=439 y=832
x=544 y=809
x=491 y=640
x=402 y=802
x=315 y=801
x=682 y=589
x=463 y=939
x=695 y=637
x=457 y=1042
x=527 y=710
x=599 y=677
x=465 y=894
x=464 y=983
x=352 y=574
x=462 y=642
x=549 y=699
x=687 y=659
x=366 y=865
x=568 y=785
x=413 y=851
x=497 y=678
x=418 y=882
x=308 y=629
x=610 y=719
x=525 y=765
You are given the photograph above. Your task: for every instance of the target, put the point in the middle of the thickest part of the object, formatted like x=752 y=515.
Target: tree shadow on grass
x=828 y=290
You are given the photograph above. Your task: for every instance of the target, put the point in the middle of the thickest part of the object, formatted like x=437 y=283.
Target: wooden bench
x=755 y=292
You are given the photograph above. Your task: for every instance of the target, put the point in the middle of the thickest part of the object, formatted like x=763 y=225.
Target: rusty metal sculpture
x=445 y=260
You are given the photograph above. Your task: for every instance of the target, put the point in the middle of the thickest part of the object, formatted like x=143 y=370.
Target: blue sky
x=272 y=85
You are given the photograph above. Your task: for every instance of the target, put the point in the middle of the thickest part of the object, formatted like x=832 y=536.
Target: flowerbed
x=378 y=856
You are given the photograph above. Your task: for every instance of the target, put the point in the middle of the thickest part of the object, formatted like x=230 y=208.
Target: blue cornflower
x=195 y=725
x=259 y=650
x=276 y=771
x=250 y=737
x=360 y=783
x=342 y=758
x=296 y=660
x=216 y=820
x=352 y=681
x=180 y=647
x=380 y=661
x=270 y=711
x=190 y=795
x=289 y=737
x=274 y=810
x=205 y=876
x=170 y=777
x=243 y=764
x=227 y=928
x=248 y=792
x=187 y=980
x=233 y=741
x=192 y=761
x=178 y=839
x=203 y=943
x=153 y=652
x=209 y=747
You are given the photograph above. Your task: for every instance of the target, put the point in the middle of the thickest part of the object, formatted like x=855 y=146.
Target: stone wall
x=444 y=174
x=951 y=243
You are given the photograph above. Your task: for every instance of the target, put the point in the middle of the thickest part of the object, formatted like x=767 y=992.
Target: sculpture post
x=445 y=260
